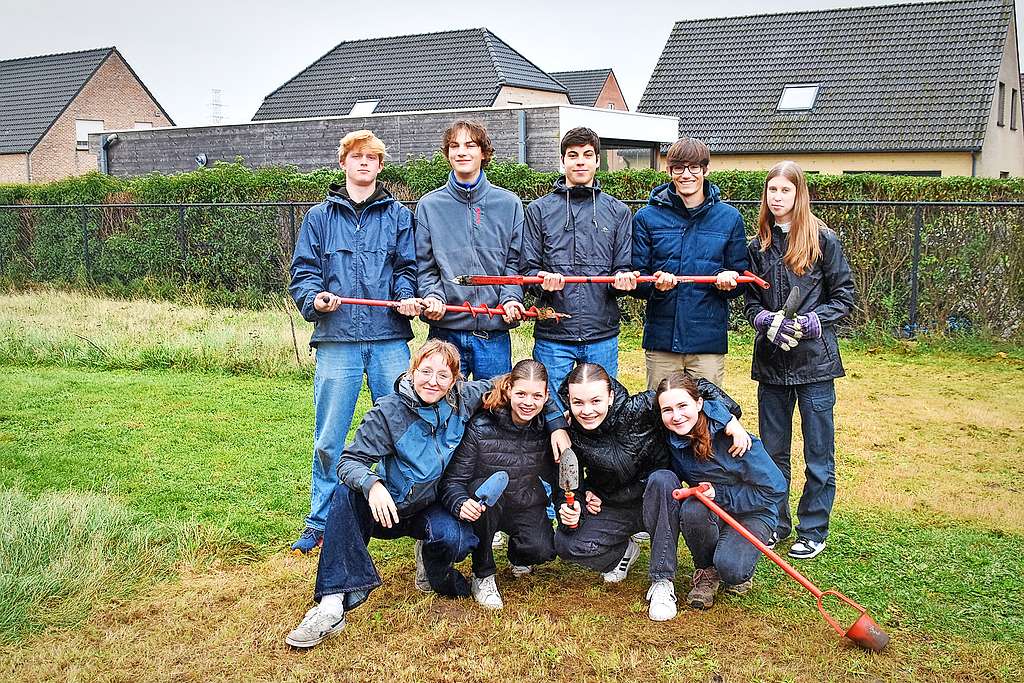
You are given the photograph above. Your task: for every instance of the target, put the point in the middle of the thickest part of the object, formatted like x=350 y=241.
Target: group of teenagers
x=434 y=439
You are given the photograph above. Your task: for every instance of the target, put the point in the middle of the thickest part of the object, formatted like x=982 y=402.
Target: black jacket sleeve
x=710 y=391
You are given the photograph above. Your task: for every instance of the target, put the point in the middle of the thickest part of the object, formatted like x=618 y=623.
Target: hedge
x=970 y=261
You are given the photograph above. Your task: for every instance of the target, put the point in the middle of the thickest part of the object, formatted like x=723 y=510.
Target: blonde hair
x=361 y=138
x=448 y=352
x=804 y=228
x=527 y=369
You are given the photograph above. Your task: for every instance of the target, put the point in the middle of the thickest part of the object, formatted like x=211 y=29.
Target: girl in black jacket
x=797 y=360
x=508 y=435
x=619 y=442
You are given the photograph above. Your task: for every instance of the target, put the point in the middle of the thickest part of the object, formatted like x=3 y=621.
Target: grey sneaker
x=520 y=570
x=662 y=596
x=315 y=626
x=805 y=548
x=641 y=536
x=739 y=588
x=629 y=557
x=498 y=541
x=705 y=585
x=422 y=584
x=485 y=592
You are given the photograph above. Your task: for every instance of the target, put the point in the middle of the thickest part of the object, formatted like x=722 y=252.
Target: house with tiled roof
x=927 y=88
x=592 y=88
x=429 y=71
x=50 y=104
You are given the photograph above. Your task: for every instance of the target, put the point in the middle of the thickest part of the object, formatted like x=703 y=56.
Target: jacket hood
x=619 y=398
x=665 y=195
x=561 y=187
x=468 y=195
x=338 y=192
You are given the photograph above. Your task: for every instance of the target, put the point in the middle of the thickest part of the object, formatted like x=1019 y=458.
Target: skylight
x=799 y=97
x=363 y=107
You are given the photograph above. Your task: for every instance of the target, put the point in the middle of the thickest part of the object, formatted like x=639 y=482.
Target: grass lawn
x=146 y=512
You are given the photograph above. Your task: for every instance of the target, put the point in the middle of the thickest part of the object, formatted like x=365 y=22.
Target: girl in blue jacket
x=749 y=487
x=796 y=360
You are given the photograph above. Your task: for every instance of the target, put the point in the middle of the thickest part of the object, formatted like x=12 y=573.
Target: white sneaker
x=498 y=541
x=662 y=596
x=315 y=626
x=805 y=548
x=640 y=537
x=618 y=574
x=422 y=584
x=519 y=570
x=485 y=592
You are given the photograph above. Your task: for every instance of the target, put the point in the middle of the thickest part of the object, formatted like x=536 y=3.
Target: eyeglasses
x=694 y=169
x=441 y=377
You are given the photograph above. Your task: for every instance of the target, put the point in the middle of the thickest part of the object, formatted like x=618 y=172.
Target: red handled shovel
x=864 y=631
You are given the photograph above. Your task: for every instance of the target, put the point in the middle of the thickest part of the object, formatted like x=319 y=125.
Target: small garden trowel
x=490 y=491
x=569 y=476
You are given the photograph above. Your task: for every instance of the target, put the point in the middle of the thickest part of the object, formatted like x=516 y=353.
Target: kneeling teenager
x=748 y=487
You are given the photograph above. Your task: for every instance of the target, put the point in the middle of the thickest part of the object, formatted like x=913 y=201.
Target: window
x=611 y=105
x=798 y=97
x=1003 y=175
x=363 y=107
x=1014 y=107
x=1001 y=120
x=82 y=129
x=143 y=125
x=920 y=174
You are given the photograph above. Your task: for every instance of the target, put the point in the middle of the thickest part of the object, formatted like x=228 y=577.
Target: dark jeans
x=775 y=420
x=710 y=540
x=530 y=537
x=600 y=540
x=482 y=355
x=345 y=563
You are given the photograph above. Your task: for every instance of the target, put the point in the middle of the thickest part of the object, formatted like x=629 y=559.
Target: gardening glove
x=810 y=325
x=778 y=329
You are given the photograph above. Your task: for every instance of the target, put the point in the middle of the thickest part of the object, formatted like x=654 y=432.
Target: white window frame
x=82 y=131
x=797 y=99
x=143 y=125
x=369 y=106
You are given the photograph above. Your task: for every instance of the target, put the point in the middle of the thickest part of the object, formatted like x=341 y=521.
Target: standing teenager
x=508 y=435
x=356 y=243
x=796 y=361
x=686 y=229
x=470 y=227
x=749 y=488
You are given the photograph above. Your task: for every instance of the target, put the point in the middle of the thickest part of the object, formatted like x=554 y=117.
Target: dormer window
x=363 y=107
x=798 y=97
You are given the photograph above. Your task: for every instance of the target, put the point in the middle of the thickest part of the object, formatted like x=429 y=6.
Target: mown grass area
x=146 y=514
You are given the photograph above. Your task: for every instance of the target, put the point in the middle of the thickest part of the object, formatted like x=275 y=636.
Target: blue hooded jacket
x=369 y=257
x=705 y=240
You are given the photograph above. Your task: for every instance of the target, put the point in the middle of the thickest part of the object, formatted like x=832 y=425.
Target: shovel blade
x=569 y=471
x=491 y=489
x=868 y=634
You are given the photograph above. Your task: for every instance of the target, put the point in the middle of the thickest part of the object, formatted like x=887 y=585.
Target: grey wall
x=313 y=144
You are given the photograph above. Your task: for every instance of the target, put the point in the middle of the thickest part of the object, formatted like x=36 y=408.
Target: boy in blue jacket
x=686 y=229
x=356 y=243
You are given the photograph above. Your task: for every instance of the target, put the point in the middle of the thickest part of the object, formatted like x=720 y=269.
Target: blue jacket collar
x=468 y=195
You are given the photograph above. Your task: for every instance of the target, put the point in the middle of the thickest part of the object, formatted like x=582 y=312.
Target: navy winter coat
x=372 y=257
x=705 y=240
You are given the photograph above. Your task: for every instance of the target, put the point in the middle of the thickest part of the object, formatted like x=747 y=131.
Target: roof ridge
x=803 y=13
x=59 y=54
x=487 y=35
x=526 y=59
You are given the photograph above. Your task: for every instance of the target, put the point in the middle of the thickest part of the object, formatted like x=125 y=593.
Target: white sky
x=183 y=49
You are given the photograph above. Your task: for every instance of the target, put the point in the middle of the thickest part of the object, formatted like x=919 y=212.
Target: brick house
x=50 y=104
x=927 y=88
x=593 y=88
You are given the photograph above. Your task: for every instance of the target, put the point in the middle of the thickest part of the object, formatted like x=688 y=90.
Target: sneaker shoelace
x=701 y=576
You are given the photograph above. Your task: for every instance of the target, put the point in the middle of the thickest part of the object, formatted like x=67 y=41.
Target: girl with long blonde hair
x=796 y=353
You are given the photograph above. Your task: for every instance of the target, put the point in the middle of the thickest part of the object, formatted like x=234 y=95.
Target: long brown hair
x=700 y=435
x=527 y=369
x=804 y=229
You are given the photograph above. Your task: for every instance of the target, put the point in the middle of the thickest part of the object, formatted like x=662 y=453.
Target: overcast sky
x=184 y=49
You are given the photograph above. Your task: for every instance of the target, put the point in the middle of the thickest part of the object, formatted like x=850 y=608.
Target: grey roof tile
x=896 y=77
x=35 y=90
x=584 y=86
x=446 y=70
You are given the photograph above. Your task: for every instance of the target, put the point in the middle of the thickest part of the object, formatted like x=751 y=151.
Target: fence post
x=291 y=211
x=914 y=269
x=86 y=257
x=182 y=241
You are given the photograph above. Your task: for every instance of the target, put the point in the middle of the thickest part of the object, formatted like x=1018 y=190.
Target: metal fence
x=933 y=266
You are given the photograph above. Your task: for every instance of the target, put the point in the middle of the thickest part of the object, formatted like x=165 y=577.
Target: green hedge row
x=970 y=260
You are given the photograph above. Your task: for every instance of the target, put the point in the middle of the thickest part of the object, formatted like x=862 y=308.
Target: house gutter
x=974 y=164
x=522 y=136
x=105 y=142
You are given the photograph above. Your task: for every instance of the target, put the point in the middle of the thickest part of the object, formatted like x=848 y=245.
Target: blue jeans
x=338 y=378
x=561 y=357
x=345 y=563
x=483 y=355
x=775 y=420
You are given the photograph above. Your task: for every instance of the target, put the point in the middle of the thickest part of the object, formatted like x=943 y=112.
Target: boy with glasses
x=686 y=229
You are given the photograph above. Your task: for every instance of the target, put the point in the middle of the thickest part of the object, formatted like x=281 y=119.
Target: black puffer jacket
x=621 y=453
x=826 y=289
x=493 y=443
